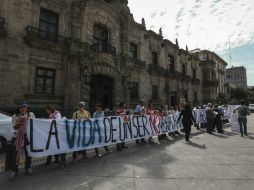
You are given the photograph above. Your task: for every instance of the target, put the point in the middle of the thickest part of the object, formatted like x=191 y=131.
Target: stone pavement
x=214 y=162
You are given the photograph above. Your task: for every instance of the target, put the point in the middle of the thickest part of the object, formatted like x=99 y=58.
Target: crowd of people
x=214 y=116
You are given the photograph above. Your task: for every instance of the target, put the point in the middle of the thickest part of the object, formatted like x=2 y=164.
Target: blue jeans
x=243 y=125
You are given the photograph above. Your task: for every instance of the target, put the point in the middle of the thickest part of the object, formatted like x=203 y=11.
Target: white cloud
x=199 y=23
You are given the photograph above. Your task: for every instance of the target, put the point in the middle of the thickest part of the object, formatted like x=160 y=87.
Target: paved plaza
x=209 y=162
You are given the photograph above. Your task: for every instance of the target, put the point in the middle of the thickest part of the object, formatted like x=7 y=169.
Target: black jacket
x=188 y=118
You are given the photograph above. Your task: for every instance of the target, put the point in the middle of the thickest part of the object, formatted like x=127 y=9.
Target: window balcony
x=38 y=38
x=186 y=78
x=2 y=27
x=154 y=68
x=104 y=48
x=210 y=83
x=138 y=62
x=195 y=81
x=173 y=74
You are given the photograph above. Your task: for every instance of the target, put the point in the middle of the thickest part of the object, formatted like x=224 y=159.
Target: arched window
x=100 y=37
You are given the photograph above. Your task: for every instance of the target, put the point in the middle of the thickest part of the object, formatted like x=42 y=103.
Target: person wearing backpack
x=242 y=112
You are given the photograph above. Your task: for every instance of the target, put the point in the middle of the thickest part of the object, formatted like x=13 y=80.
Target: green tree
x=240 y=94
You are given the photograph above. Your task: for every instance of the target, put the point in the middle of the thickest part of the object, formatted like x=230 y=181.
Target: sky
x=204 y=24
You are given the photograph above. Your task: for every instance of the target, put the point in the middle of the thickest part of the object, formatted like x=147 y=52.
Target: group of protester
x=214 y=116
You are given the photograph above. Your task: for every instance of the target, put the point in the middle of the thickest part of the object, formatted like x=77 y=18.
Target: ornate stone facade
x=64 y=51
x=214 y=84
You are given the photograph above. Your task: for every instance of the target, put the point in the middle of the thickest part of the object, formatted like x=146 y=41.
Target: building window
x=194 y=73
x=183 y=69
x=171 y=62
x=185 y=95
x=100 y=37
x=155 y=92
x=133 y=88
x=133 y=50
x=44 y=81
x=195 y=97
x=48 y=25
x=154 y=58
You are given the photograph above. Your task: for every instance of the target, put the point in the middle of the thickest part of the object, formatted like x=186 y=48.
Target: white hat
x=82 y=104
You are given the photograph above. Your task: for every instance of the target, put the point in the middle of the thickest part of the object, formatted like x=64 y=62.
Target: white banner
x=49 y=137
x=199 y=115
x=233 y=119
x=234 y=123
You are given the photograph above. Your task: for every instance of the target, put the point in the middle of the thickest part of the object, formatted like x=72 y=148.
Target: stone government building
x=63 y=51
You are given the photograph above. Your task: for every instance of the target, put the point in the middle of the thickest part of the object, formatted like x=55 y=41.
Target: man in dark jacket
x=187 y=121
x=218 y=118
x=210 y=118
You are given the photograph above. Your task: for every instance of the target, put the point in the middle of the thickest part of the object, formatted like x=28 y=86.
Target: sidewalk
x=214 y=162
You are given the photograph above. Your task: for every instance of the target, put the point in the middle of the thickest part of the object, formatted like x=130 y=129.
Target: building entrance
x=101 y=91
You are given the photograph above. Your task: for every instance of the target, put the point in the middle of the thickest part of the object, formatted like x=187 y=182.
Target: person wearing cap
x=80 y=114
x=19 y=138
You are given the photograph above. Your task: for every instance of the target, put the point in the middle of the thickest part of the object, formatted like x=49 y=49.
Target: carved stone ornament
x=124 y=65
x=143 y=22
x=160 y=32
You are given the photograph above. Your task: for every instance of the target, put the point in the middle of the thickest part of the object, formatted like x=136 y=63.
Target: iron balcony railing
x=195 y=81
x=212 y=83
x=103 y=48
x=157 y=68
x=44 y=35
x=186 y=77
x=139 y=62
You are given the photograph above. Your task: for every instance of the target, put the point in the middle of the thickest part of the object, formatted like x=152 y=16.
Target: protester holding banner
x=242 y=112
x=55 y=114
x=80 y=114
x=171 y=111
x=187 y=120
x=19 y=138
x=99 y=113
x=121 y=111
x=150 y=111
x=140 y=110
x=162 y=113
x=209 y=118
